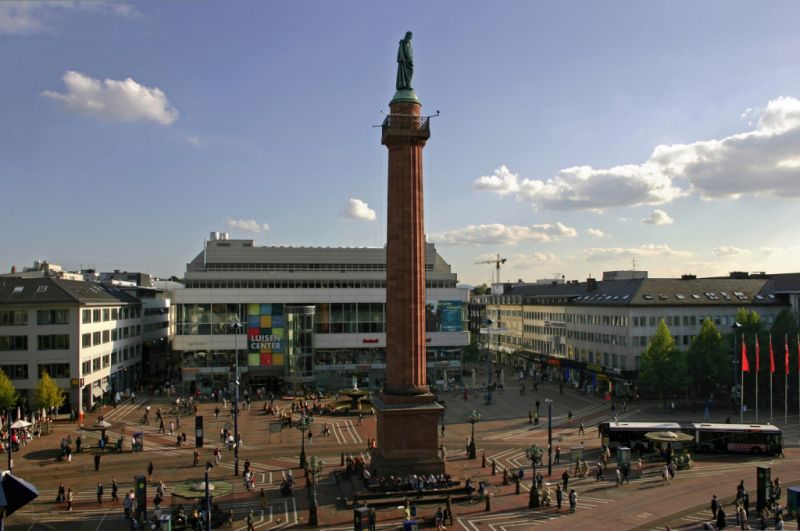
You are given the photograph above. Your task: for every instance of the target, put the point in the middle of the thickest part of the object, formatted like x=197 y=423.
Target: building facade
x=303 y=317
x=592 y=334
x=87 y=336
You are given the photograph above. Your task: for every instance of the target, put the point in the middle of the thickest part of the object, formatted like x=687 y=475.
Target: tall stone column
x=407 y=412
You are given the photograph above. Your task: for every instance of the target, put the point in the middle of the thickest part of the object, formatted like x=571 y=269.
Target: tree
x=709 y=360
x=750 y=322
x=48 y=395
x=472 y=353
x=8 y=393
x=663 y=366
x=483 y=289
x=785 y=325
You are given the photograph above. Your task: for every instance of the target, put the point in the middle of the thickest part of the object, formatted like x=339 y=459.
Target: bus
x=755 y=439
x=631 y=434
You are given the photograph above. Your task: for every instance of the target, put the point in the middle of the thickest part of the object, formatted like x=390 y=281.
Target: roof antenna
x=633 y=260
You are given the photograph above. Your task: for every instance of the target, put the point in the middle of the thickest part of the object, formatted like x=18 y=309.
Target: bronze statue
x=405 y=63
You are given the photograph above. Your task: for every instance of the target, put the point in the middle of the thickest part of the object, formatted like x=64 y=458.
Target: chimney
x=591 y=284
x=688 y=277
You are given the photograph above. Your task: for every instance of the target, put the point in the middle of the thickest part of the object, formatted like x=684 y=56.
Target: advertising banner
x=266 y=345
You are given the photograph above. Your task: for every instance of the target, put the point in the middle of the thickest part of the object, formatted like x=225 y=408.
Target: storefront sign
x=265 y=335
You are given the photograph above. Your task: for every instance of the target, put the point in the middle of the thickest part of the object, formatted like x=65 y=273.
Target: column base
x=408 y=436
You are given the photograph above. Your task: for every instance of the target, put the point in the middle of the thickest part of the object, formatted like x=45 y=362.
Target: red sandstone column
x=405 y=134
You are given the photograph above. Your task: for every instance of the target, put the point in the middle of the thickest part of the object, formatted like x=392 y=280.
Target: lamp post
x=472 y=417
x=314 y=468
x=534 y=454
x=208 y=498
x=736 y=326
x=549 y=436
x=304 y=424
x=444 y=408
x=237 y=326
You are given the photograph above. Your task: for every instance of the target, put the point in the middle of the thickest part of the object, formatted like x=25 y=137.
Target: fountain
x=354 y=403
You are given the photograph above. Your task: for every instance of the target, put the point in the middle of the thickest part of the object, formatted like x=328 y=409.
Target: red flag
x=786 y=354
x=758 y=355
x=771 y=356
x=745 y=364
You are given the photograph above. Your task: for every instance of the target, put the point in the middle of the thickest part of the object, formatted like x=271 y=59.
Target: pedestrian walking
x=78 y=443
x=114 y=490
x=263 y=499
x=573 y=501
x=665 y=474
x=581 y=429
x=100 y=493
x=70 y=498
x=196 y=456
x=150 y=471
x=62 y=493
x=559 y=496
x=558 y=454
x=565 y=479
x=250 y=526
x=96 y=462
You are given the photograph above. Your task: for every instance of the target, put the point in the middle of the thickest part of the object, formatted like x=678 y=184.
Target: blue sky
x=574 y=137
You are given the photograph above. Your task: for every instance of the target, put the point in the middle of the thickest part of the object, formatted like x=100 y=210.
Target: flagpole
x=771 y=374
x=758 y=370
x=786 y=380
x=741 y=393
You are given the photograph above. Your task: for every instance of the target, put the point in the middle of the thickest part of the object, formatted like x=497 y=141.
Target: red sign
x=369 y=340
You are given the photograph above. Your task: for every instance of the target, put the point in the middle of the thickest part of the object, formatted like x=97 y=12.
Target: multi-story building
x=311 y=317
x=87 y=336
x=593 y=333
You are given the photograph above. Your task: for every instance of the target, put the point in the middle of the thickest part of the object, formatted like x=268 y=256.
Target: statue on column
x=405 y=63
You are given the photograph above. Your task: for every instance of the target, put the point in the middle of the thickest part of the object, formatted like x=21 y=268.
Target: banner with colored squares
x=265 y=341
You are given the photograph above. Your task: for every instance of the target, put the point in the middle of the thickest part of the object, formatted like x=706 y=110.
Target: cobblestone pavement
x=502 y=436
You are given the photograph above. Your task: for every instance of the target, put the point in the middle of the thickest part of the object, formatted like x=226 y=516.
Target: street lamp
x=549 y=436
x=444 y=408
x=208 y=497
x=534 y=454
x=304 y=424
x=472 y=417
x=315 y=467
x=237 y=326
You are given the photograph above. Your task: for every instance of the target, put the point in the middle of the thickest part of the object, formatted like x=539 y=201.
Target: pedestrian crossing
x=590 y=415
x=527 y=518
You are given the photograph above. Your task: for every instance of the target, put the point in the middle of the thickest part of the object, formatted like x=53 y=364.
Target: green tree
x=750 y=322
x=8 y=393
x=663 y=367
x=785 y=325
x=709 y=360
x=483 y=289
x=472 y=354
x=48 y=395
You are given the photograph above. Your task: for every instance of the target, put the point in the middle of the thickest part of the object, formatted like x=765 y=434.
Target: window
x=96 y=315
x=106 y=360
x=106 y=314
x=13 y=317
x=96 y=364
x=114 y=314
x=106 y=336
x=8 y=343
x=53 y=342
x=96 y=338
x=113 y=334
x=86 y=340
x=114 y=358
x=50 y=317
x=86 y=316
x=55 y=370
x=17 y=371
x=86 y=367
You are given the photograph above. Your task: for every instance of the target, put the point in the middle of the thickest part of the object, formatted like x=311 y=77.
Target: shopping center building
x=303 y=317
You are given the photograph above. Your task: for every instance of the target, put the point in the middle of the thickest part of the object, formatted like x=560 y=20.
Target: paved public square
x=502 y=435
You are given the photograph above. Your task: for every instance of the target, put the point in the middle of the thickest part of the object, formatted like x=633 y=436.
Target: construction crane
x=496 y=261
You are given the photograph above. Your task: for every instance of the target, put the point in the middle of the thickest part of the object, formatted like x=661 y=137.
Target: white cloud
x=658 y=217
x=194 y=141
x=248 y=225
x=358 y=209
x=502 y=182
x=523 y=261
x=597 y=233
x=763 y=161
x=124 y=101
x=644 y=251
x=499 y=234
x=770 y=251
x=729 y=250
x=27 y=17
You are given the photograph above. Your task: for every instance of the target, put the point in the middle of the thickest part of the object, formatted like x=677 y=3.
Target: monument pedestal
x=408 y=434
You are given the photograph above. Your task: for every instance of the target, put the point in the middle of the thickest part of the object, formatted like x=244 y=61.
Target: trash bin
x=360 y=519
x=166 y=522
x=623 y=456
x=793 y=497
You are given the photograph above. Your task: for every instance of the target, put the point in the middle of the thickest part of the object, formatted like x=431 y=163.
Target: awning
x=97 y=392
x=105 y=387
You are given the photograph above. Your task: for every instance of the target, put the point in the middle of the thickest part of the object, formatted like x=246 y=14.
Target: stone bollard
x=494 y=467
x=342 y=461
x=483 y=460
x=488 y=502
x=505 y=476
x=516 y=483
